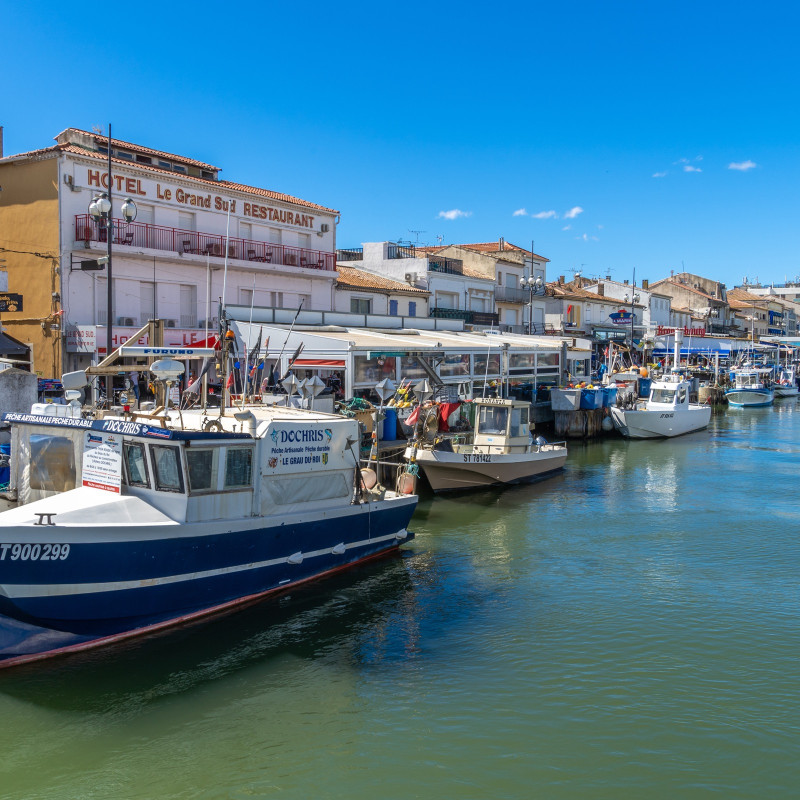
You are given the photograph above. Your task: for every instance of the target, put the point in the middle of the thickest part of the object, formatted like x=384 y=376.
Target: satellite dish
x=290 y=384
x=423 y=391
x=385 y=389
x=74 y=380
x=315 y=386
x=167 y=369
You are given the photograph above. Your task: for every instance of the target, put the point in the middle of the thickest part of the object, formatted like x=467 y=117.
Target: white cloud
x=567 y=228
x=742 y=166
x=454 y=213
x=573 y=212
x=520 y=212
x=690 y=168
x=660 y=174
x=545 y=215
x=584 y=237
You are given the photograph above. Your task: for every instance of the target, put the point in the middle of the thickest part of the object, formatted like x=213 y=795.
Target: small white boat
x=752 y=387
x=786 y=382
x=667 y=412
x=502 y=450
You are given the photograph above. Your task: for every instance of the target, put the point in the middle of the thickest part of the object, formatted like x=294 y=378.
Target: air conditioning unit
x=411 y=277
x=128 y=322
x=324 y=227
x=171 y=323
x=212 y=323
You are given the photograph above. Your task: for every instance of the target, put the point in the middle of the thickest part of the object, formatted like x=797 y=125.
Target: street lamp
x=102 y=211
x=632 y=297
x=534 y=286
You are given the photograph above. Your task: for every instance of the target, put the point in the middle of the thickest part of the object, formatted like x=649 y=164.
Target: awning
x=693 y=351
x=9 y=346
x=329 y=363
x=212 y=341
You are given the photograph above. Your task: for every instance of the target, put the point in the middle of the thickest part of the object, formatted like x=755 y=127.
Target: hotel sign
x=133 y=186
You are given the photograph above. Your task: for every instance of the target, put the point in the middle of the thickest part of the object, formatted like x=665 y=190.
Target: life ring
x=213 y=426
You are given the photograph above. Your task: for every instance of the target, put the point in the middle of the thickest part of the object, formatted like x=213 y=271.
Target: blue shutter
x=393 y=308
x=412 y=308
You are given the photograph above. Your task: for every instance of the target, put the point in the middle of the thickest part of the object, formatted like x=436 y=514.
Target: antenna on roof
x=98 y=129
x=440 y=239
x=417 y=234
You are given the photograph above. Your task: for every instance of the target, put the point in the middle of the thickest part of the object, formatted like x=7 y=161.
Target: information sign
x=102 y=461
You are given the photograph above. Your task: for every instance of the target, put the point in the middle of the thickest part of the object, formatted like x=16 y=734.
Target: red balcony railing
x=158 y=237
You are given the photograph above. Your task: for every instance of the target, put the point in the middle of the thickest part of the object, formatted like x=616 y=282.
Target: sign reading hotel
x=664 y=331
x=133 y=186
x=102 y=461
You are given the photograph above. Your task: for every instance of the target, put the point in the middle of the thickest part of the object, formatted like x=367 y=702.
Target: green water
x=627 y=629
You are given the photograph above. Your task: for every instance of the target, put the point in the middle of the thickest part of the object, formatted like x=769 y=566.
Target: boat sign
x=102 y=461
x=172 y=352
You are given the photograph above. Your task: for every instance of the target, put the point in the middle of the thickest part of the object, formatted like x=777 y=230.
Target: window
x=493 y=420
x=143 y=159
x=123 y=154
x=393 y=308
x=188 y=299
x=136 y=466
x=519 y=421
x=147 y=301
x=165 y=165
x=52 y=464
x=200 y=465
x=360 y=305
x=412 y=308
x=238 y=467
x=179 y=168
x=167 y=468
x=662 y=396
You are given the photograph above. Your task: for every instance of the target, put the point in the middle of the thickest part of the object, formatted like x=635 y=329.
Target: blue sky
x=647 y=135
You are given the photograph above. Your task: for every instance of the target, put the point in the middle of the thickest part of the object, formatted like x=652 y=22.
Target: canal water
x=627 y=629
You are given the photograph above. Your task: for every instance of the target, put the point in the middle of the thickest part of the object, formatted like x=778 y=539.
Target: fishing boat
x=752 y=387
x=786 y=381
x=666 y=412
x=127 y=523
x=500 y=450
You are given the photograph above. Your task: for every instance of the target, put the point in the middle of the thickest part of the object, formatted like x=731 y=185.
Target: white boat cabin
x=502 y=426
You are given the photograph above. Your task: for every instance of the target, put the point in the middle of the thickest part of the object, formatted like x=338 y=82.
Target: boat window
x=136 y=465
x=493 y=420
x=52 y=463
x=681 y=395
x=662 y=395
x=238 y=467
x=519 y=421
x=167 y=468
x=201 y=469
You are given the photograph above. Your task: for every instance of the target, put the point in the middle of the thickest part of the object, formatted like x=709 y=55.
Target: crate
x=591 y=399
x=565 y=399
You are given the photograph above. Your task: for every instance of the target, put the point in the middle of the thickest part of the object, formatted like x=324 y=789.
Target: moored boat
x=502 y=450
x=124 y=526
x=752 y=387
x=667 y=412
x=786 y=382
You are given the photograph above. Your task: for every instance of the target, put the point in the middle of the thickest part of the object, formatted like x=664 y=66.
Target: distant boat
x=752 y=387
x=667 y=412
x=786 y=382
x=502 y=450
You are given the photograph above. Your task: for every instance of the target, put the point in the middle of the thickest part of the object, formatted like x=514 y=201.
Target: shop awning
x=9 y=346
x=329 y=363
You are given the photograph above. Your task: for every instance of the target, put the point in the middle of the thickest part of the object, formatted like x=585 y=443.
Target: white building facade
x=193 y=238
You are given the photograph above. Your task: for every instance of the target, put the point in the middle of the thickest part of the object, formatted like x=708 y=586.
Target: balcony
x=510 y=294
x=450 y=266
x=158 y=237
x=350 y=254
x=470 y=317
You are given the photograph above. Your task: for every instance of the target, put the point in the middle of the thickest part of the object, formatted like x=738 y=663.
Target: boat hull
x=752 y=398
x=786 y=391
x=448 y=471
x=653 y=424
x=104 y=582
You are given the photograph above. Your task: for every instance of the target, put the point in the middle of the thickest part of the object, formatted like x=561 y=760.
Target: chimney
x=625 y=281
x=645 y=284
x=601 y=289
x=502 y=243
x=560 y=280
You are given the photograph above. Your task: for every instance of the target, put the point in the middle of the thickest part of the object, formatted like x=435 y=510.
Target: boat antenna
x=488 y=351
x=225 y=273
x=291 y=327
x=246 y=347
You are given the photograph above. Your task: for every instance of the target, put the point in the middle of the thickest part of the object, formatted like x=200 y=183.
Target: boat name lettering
x=300 y=436
x=668 y=416
x=493 y=401
x=33 y=552
x=115 y=426
x=477 y=458
x=41 y=419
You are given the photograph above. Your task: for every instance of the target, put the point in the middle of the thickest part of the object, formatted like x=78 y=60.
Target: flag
x=293 y=359
x=229 y=382
x=254 y=353
x=194 y=386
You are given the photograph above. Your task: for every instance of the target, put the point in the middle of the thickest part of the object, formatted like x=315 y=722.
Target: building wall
x=29 y=225
x=381 y=302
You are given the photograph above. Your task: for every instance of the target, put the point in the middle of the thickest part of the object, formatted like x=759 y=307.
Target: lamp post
x=102 y=211
x=534 y=286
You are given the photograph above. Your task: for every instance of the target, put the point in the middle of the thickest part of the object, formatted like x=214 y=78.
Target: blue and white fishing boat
x=128 y=523
x=752 y=387
x=786 y=381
